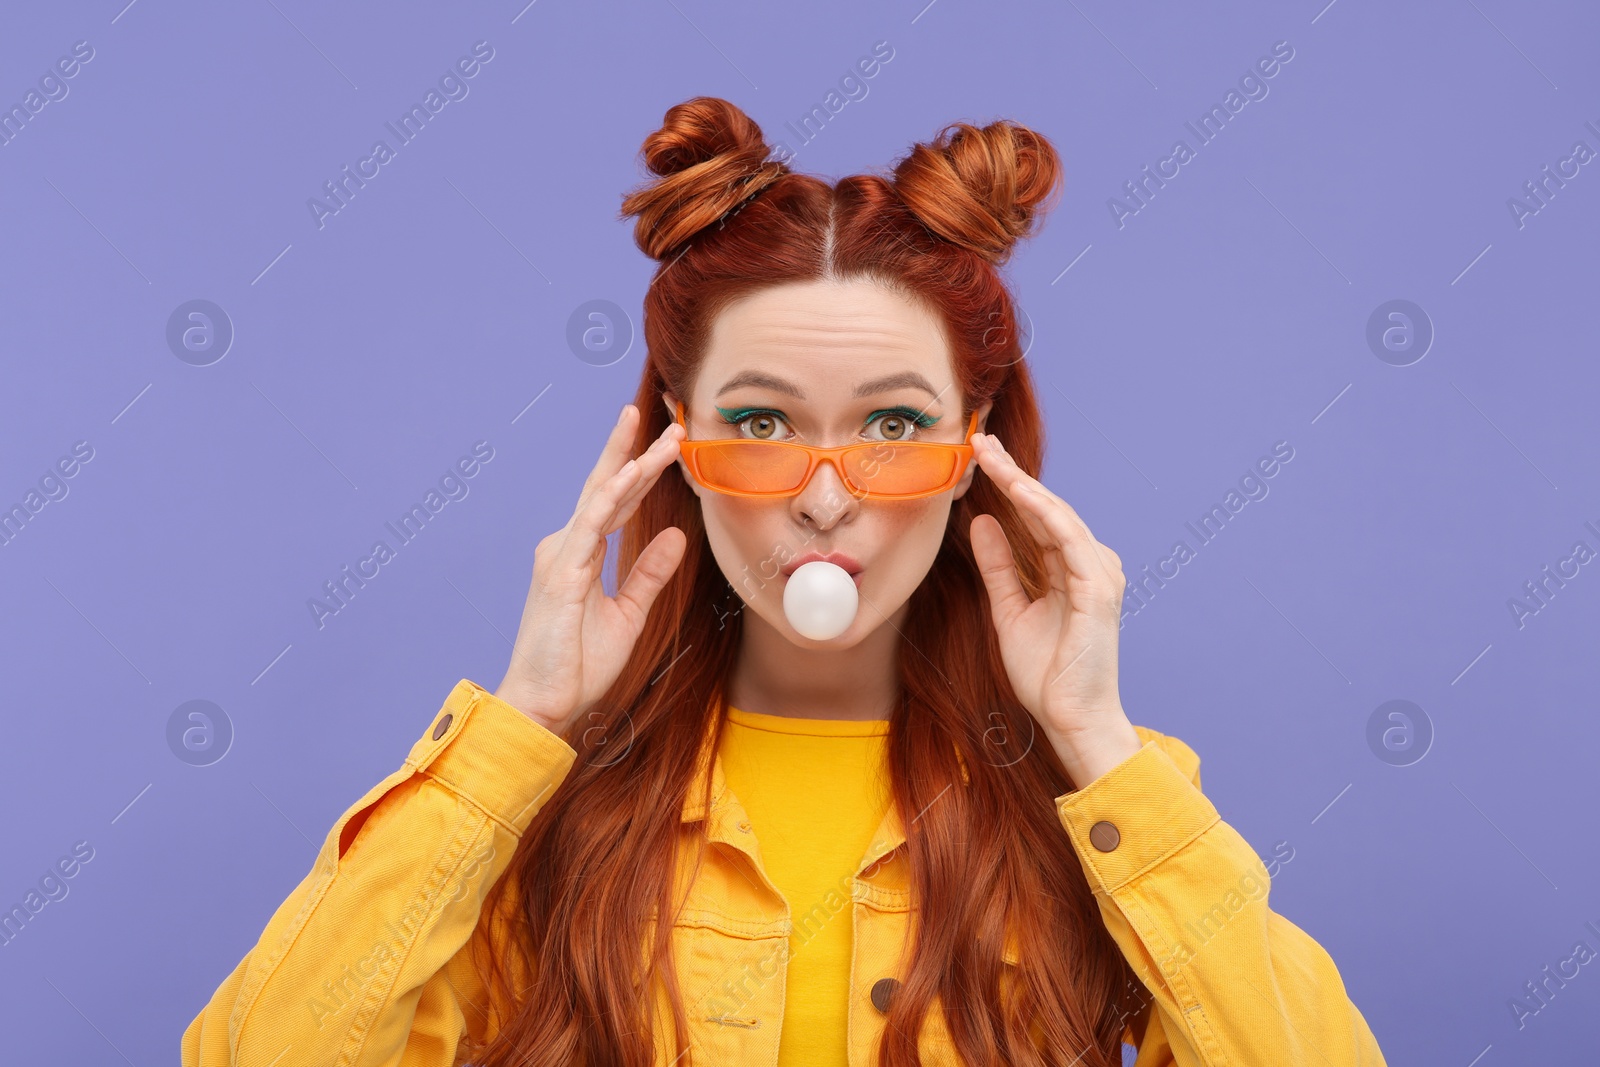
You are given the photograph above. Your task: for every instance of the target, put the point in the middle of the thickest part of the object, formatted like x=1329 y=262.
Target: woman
x=937 y=834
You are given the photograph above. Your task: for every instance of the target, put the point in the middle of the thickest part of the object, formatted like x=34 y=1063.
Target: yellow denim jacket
x=366 y=961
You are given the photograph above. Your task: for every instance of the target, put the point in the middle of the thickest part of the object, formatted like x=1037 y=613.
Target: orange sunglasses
x=891 y=470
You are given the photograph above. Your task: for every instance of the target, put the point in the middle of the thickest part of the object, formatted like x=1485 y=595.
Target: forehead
x=826 y=337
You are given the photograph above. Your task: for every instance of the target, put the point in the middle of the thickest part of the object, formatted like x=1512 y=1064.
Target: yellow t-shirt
x=814 y=790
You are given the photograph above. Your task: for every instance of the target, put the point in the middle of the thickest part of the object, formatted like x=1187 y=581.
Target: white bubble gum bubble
x=820 y=600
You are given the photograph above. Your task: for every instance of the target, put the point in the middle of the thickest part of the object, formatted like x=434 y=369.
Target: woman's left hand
x=1060 y=651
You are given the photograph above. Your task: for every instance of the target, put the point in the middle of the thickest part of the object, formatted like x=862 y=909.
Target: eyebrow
x=902 y=379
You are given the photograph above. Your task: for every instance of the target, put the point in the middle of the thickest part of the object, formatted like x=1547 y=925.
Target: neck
x=774 y=676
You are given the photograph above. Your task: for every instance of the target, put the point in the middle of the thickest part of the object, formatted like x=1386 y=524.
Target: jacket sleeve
x=363 y=965
x=1185 y=896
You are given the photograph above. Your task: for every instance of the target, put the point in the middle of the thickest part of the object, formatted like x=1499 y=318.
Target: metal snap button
x=444 y=724
x=882 y=991
x=745 y=827
x=1104 y=836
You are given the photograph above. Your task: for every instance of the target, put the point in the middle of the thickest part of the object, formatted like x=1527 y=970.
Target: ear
x=972 y=467
x=672 y=404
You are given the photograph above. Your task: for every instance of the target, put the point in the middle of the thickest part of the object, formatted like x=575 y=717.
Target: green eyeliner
x=735 y=414
x=921 y=418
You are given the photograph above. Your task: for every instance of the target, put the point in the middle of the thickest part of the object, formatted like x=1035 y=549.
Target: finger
x=1019 y=492
x=997 y=565
x=1108 y=559
x=1049 y=518
x=1057 y=575
x=1004 y=469
x=613 y=455
x=610 y=505
x=585 y=541
x=1017 y=489
x=1055 y=565
x=649 y=575
x=661 y=454
x=1065 y=531
x=651 y=463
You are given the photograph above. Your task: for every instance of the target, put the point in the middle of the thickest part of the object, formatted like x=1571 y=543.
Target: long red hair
x=596 y=867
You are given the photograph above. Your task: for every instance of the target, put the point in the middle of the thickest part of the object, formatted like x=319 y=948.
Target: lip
x=837 y=558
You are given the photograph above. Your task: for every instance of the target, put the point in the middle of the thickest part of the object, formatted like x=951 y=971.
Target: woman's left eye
x=899 y=426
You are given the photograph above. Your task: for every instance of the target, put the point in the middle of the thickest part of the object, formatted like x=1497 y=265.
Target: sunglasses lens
x=751 y=467
x=884 y=469
x=888 y=469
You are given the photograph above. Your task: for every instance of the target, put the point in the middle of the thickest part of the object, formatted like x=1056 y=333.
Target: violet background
x=432 y=312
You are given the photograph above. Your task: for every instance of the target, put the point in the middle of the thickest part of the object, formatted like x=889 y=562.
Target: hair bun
x=709 y=158
x=981 y=187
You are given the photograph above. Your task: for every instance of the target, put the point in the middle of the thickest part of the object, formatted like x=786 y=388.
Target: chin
x=848 y=639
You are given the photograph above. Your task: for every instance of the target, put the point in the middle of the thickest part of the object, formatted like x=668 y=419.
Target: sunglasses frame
x=816 y=456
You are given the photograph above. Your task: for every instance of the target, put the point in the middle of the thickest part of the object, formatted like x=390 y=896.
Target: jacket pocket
x=731 y=981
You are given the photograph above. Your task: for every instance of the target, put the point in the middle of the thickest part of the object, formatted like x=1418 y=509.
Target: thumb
x=991 y=550
x=649 y=575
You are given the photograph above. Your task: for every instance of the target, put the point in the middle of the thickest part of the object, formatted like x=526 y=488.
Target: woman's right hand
x=573 y=640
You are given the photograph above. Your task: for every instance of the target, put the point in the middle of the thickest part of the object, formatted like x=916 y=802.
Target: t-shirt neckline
x=789 y=724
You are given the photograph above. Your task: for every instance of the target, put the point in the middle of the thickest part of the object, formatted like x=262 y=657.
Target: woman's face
x=826 y=363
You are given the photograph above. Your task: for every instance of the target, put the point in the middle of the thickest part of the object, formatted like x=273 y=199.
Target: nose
x=824 y=500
